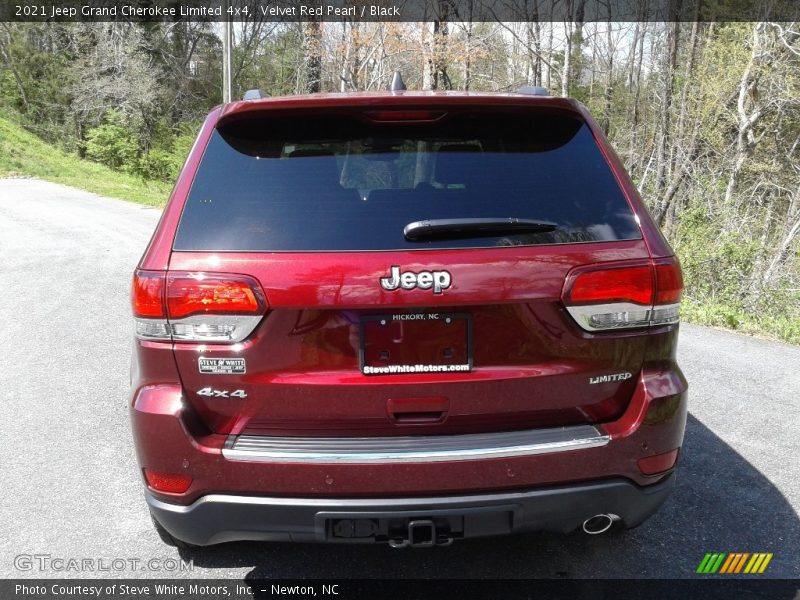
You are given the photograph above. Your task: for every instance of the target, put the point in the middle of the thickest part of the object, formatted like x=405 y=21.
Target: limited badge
x=610 y=377
x=222 y=366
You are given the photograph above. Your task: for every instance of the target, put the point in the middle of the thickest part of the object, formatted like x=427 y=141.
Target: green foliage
x=716 y=263
x=716 y=314
x=114 y=144
x=717 y=269
x=8 y=91
x=277 y=70
x=725 y=247
x=117 y=143
x=38 y=86
x=22 y=153
x=164 y=161
x=158 y=164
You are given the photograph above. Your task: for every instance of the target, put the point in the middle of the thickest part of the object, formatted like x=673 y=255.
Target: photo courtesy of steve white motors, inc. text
x=179 y=590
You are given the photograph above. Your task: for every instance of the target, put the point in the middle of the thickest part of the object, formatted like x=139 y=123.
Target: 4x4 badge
x=424 y=280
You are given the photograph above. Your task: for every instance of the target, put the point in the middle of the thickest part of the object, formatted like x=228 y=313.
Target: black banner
x=388 y=589
x=399 y=10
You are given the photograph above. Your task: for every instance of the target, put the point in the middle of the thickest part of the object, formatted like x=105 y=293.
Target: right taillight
x=196 y=307
x=669 y=281
x=624 y=295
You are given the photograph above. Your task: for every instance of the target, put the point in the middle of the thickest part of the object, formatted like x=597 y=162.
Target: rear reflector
x=203 y=307
x=624 y=295
x=172 y=483
x=653 y=465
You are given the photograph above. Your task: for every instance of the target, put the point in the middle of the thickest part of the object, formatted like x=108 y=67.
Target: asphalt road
x=70 y=487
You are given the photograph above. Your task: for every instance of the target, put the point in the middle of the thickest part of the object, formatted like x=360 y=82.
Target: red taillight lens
x=213 y=294
x=147 y=294
x=605 y=286
x=172 y=483
x=196 y=307
x=653 y=465
x=624 y=295
x=669 y=282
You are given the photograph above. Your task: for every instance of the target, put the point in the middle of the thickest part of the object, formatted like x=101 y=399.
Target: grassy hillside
x=22 y=153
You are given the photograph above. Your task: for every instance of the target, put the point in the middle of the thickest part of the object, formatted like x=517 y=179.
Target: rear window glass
x=342 y=182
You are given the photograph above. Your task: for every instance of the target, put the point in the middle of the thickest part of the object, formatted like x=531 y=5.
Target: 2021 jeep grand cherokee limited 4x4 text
x=404 y=317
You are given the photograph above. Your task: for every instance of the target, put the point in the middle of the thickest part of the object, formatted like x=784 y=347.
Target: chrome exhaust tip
x=599 y=523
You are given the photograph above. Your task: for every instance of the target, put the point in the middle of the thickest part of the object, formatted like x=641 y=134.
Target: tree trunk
x=428 y=68
x=468 y=49
x=565 y=70
x=344 y=73
x=791 y=231
x=312 y=50
x=549 y=79
x=609 y=76
x=593 y=70
x=748 y=112
x=436 y=76
x=665 y=210
x=634 y=165
x=533 y=30
x=688 y=78
x=671 y=59
x=17 y=80
x=572 y=49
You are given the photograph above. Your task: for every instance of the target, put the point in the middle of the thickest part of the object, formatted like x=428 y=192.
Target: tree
x=435 y=75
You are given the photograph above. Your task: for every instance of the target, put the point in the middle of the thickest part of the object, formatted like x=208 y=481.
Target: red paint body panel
x=526 y=345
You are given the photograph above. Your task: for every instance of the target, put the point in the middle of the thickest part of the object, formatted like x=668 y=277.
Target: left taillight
x=624 y=295
x=147 y=302
x=196 y=307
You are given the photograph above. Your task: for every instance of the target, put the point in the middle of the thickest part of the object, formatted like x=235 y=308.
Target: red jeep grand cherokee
x=404 y=317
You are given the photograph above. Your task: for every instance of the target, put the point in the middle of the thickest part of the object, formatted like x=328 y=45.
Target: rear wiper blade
x=467 y=228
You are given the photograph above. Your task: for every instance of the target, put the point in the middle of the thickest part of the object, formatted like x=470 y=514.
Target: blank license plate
x=407 y=343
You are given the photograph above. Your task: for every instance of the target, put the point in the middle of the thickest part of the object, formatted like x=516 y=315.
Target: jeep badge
x=424 y=280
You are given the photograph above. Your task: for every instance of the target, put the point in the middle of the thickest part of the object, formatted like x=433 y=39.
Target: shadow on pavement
x=721 y=504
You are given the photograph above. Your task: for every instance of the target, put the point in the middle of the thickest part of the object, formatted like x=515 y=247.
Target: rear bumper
x=314 y=492
x=168 y=441
x=218 y=518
